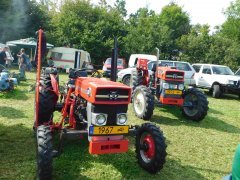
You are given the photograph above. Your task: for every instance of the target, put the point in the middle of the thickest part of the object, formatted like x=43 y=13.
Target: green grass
x=195 y=150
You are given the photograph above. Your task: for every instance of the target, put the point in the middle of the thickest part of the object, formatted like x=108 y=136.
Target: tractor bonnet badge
x=174 y=76
x=113 y=95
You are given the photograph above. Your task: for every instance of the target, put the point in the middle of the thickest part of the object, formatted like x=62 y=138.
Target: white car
x=125 y=74
x=237 y=72
x=217 y=78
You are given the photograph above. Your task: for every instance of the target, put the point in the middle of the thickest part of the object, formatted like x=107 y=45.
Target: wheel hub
x=147 y=148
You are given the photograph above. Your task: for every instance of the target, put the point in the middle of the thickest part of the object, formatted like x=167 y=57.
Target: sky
x=200 y=11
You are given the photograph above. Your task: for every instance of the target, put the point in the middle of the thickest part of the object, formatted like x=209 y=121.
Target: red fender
x=54 y=83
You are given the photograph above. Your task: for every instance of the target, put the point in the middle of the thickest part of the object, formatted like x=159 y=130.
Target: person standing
x=22 y=63
x=9 y=58
x=3 y=58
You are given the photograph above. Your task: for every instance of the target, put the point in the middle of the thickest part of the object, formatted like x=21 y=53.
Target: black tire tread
x=156 y=164
x=47 y=100
x=149 y=98
x=202 y=105
x=44 y=153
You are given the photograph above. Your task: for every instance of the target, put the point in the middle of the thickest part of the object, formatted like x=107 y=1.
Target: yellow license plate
x=177 y=92
x=105 y=130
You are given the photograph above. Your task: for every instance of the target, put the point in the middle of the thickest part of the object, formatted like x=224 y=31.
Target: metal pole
x=114 y=61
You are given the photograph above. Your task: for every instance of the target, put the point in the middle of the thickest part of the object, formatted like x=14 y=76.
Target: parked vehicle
x=92 y=107
x=217 y=78
x=69 y=58
x=237 y=72
x=124 y=75
x=121 y=64
x=167 y=84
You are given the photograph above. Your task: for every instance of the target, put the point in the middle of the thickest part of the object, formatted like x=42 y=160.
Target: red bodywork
x=170 y=75
x=142 y=67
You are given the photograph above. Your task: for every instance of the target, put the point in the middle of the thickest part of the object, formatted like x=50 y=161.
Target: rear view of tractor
x=167 y=84
x=7 y=82
x=96 y=108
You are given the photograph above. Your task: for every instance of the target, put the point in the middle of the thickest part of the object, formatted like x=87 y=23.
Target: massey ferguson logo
x=174 y=76
x=113 y=95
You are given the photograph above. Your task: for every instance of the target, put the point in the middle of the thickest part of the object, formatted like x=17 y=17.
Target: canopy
x=26 y=43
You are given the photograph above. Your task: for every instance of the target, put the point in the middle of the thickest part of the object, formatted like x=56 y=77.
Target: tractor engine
x=6 y=83
x=106 y=105
x=170 y=86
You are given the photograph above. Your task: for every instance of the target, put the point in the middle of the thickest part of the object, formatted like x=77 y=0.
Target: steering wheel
x=97 y=73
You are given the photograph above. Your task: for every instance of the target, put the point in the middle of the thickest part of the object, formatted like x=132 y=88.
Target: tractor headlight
x=99 y=119
x=181 y=87
x=121 y=119
x=165 y=86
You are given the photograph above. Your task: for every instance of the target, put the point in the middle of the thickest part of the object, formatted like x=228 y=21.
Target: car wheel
x=126 y=80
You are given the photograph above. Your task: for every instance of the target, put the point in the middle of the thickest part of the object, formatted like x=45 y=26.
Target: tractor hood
x=102 y=91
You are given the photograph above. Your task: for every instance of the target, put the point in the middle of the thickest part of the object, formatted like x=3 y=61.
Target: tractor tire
x=44 y=153
x=150 y=148
x=126 y=80
x=216 y=92
x=47 y=100
x=198 y=102
x=138 y=80
x=143 y=102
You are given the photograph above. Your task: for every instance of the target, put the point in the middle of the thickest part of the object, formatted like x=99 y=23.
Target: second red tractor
x=167 y=85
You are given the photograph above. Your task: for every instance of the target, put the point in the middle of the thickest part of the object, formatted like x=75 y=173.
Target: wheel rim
x=147 y=148
x=139 y=102
x=192 y=100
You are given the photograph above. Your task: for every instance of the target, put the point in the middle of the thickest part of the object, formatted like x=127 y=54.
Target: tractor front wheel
x=143 y=102
x=44 y=153
x=150 y=148
x=195 y=105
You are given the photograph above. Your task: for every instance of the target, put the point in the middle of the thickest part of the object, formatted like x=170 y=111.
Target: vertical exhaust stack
x=114 y=61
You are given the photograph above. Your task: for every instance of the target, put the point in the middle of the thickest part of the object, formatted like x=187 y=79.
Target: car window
x=166 y=63
x=206 y=70
x=56 y=55
x=150 y=65
x=197 y=68
x=222 y=70
x=183 y=66
x=238 y=72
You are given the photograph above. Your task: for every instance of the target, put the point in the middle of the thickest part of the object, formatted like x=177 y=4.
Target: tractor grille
x=119 y=95
x=111 y=111
x=174 y=75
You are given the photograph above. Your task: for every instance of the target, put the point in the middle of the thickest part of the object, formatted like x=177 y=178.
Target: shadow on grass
x=15 y=94
x=76 y=160
x=11 y=113
x=208 y=123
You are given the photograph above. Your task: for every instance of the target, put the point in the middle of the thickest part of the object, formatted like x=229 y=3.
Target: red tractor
x=93 y=107
x=167 y=84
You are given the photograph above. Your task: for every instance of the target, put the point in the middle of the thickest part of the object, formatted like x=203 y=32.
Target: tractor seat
x=77 y=73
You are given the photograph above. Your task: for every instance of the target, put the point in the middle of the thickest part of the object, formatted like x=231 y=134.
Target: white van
x=132 y=59
x=66 y=58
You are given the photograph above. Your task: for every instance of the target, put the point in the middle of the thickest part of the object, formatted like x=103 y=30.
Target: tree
x=121 y=7
x=87 y=27
x=20 y=19
x=196 y=44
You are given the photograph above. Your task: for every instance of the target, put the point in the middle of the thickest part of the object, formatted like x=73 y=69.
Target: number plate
x=177 y=92
x=105 y=130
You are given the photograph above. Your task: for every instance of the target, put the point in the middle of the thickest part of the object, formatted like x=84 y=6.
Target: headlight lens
x=165 y=86
x=99 y=119
x=180 y=86
x=121 y=119
x=230 y=82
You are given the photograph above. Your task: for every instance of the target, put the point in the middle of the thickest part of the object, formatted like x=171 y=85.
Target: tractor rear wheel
x=143 y=102
x=195 y=105
x=150 y=148
x=44 y=153
x=47 y=100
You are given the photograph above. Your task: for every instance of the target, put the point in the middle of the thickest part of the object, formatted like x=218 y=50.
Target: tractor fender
x=54 y=83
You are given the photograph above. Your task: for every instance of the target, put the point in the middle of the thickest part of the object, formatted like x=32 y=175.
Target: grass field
x=195 y=150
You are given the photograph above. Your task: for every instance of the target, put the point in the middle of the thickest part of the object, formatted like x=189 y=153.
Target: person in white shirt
x=9 y=58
